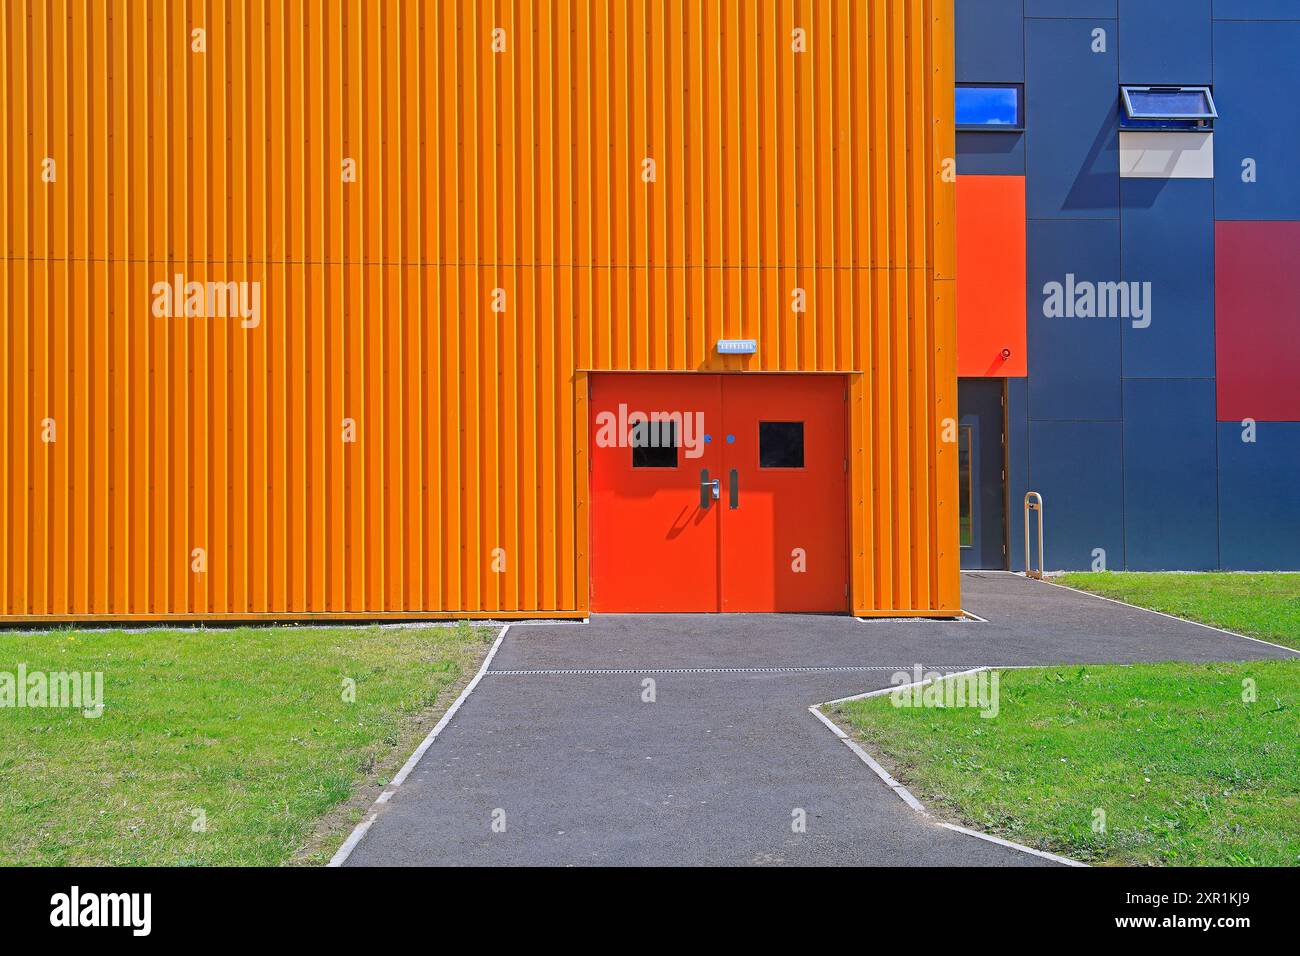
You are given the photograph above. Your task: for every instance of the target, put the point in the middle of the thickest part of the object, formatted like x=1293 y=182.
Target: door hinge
x=846 y=466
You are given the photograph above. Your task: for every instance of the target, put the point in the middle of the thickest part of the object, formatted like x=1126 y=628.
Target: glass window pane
x=988 y=106
x=654 y=444
x=780 y=444
x=965 y=437
x=1169 y=103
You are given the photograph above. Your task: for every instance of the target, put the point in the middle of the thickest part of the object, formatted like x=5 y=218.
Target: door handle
x=735 y=489
x=710 y=491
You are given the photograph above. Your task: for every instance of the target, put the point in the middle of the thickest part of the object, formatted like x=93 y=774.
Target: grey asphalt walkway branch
x=558 y=749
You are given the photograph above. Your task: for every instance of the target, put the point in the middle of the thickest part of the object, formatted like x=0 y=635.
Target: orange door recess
x=718 y=493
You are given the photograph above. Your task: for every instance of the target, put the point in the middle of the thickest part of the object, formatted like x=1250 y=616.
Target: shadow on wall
x=1141 y=193
x=1095 y=186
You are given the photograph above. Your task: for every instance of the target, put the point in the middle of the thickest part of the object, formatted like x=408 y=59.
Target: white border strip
x=1172 y=617
x=893 y=687
x=906 y=795
x=350 y=844
x=1043 y=854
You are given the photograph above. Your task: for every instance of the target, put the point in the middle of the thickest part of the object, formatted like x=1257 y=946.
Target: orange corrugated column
x=942 y=172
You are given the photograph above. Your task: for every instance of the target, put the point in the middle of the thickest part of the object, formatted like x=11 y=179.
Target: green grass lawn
x=1184 y=770
x=1266 y=606
x=247 y=727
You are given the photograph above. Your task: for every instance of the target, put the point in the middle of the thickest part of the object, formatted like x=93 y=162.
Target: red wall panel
x=1257 y=320
x=990 y=276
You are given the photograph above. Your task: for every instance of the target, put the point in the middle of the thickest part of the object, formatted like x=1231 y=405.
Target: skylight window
x=1184 y=105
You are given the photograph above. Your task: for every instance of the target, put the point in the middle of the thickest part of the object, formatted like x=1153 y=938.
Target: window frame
x=1017 y=127
x=1203 y=119
x=653 y=426
x=966 y=489
x=803 y=444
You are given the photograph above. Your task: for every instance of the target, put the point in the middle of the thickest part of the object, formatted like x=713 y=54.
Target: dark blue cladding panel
x=1256 y=10
x=990 y=41
x=1164 y=41
x=1256 y=76
x=1078 y=469
x=1074 y=363
x=1170 y=487
x=1070 y=8
x=991 y=154
x=1167 y=239
x=1072 y=101
x=1259 y=509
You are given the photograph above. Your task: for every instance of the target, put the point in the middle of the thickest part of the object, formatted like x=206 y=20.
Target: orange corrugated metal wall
x=135 y=149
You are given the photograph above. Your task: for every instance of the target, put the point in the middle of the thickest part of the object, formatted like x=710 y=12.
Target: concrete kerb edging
x=350 y=844
x=901 y=791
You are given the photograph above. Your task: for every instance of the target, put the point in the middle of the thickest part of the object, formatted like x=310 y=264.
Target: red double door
x=718 y=493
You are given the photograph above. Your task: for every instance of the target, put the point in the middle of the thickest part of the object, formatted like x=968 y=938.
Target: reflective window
x=1169 y=102
x=654 y=444
x=780 y=444
x=990 y=106
x=965 y=440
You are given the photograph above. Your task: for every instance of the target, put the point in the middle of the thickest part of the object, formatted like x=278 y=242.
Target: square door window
x=654 y=444
x=780 y=444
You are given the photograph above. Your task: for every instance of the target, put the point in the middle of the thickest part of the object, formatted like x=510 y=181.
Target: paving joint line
x=628 y=671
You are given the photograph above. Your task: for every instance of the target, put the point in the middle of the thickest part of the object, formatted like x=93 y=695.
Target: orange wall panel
x=446 y=226
x=991 y=276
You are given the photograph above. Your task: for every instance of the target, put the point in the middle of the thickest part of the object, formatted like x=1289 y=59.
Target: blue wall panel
x=1116 y=425
x=1167 y=238
x=1164 y=41
x=991 y=154
x=1256 y=76
x=1074 y=363
x=1071 y=8
x=1259 y=507
x=1170 y=483
x=1072 y=99
x=1078 y=469
x=990 y=41
x=1256 y=10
